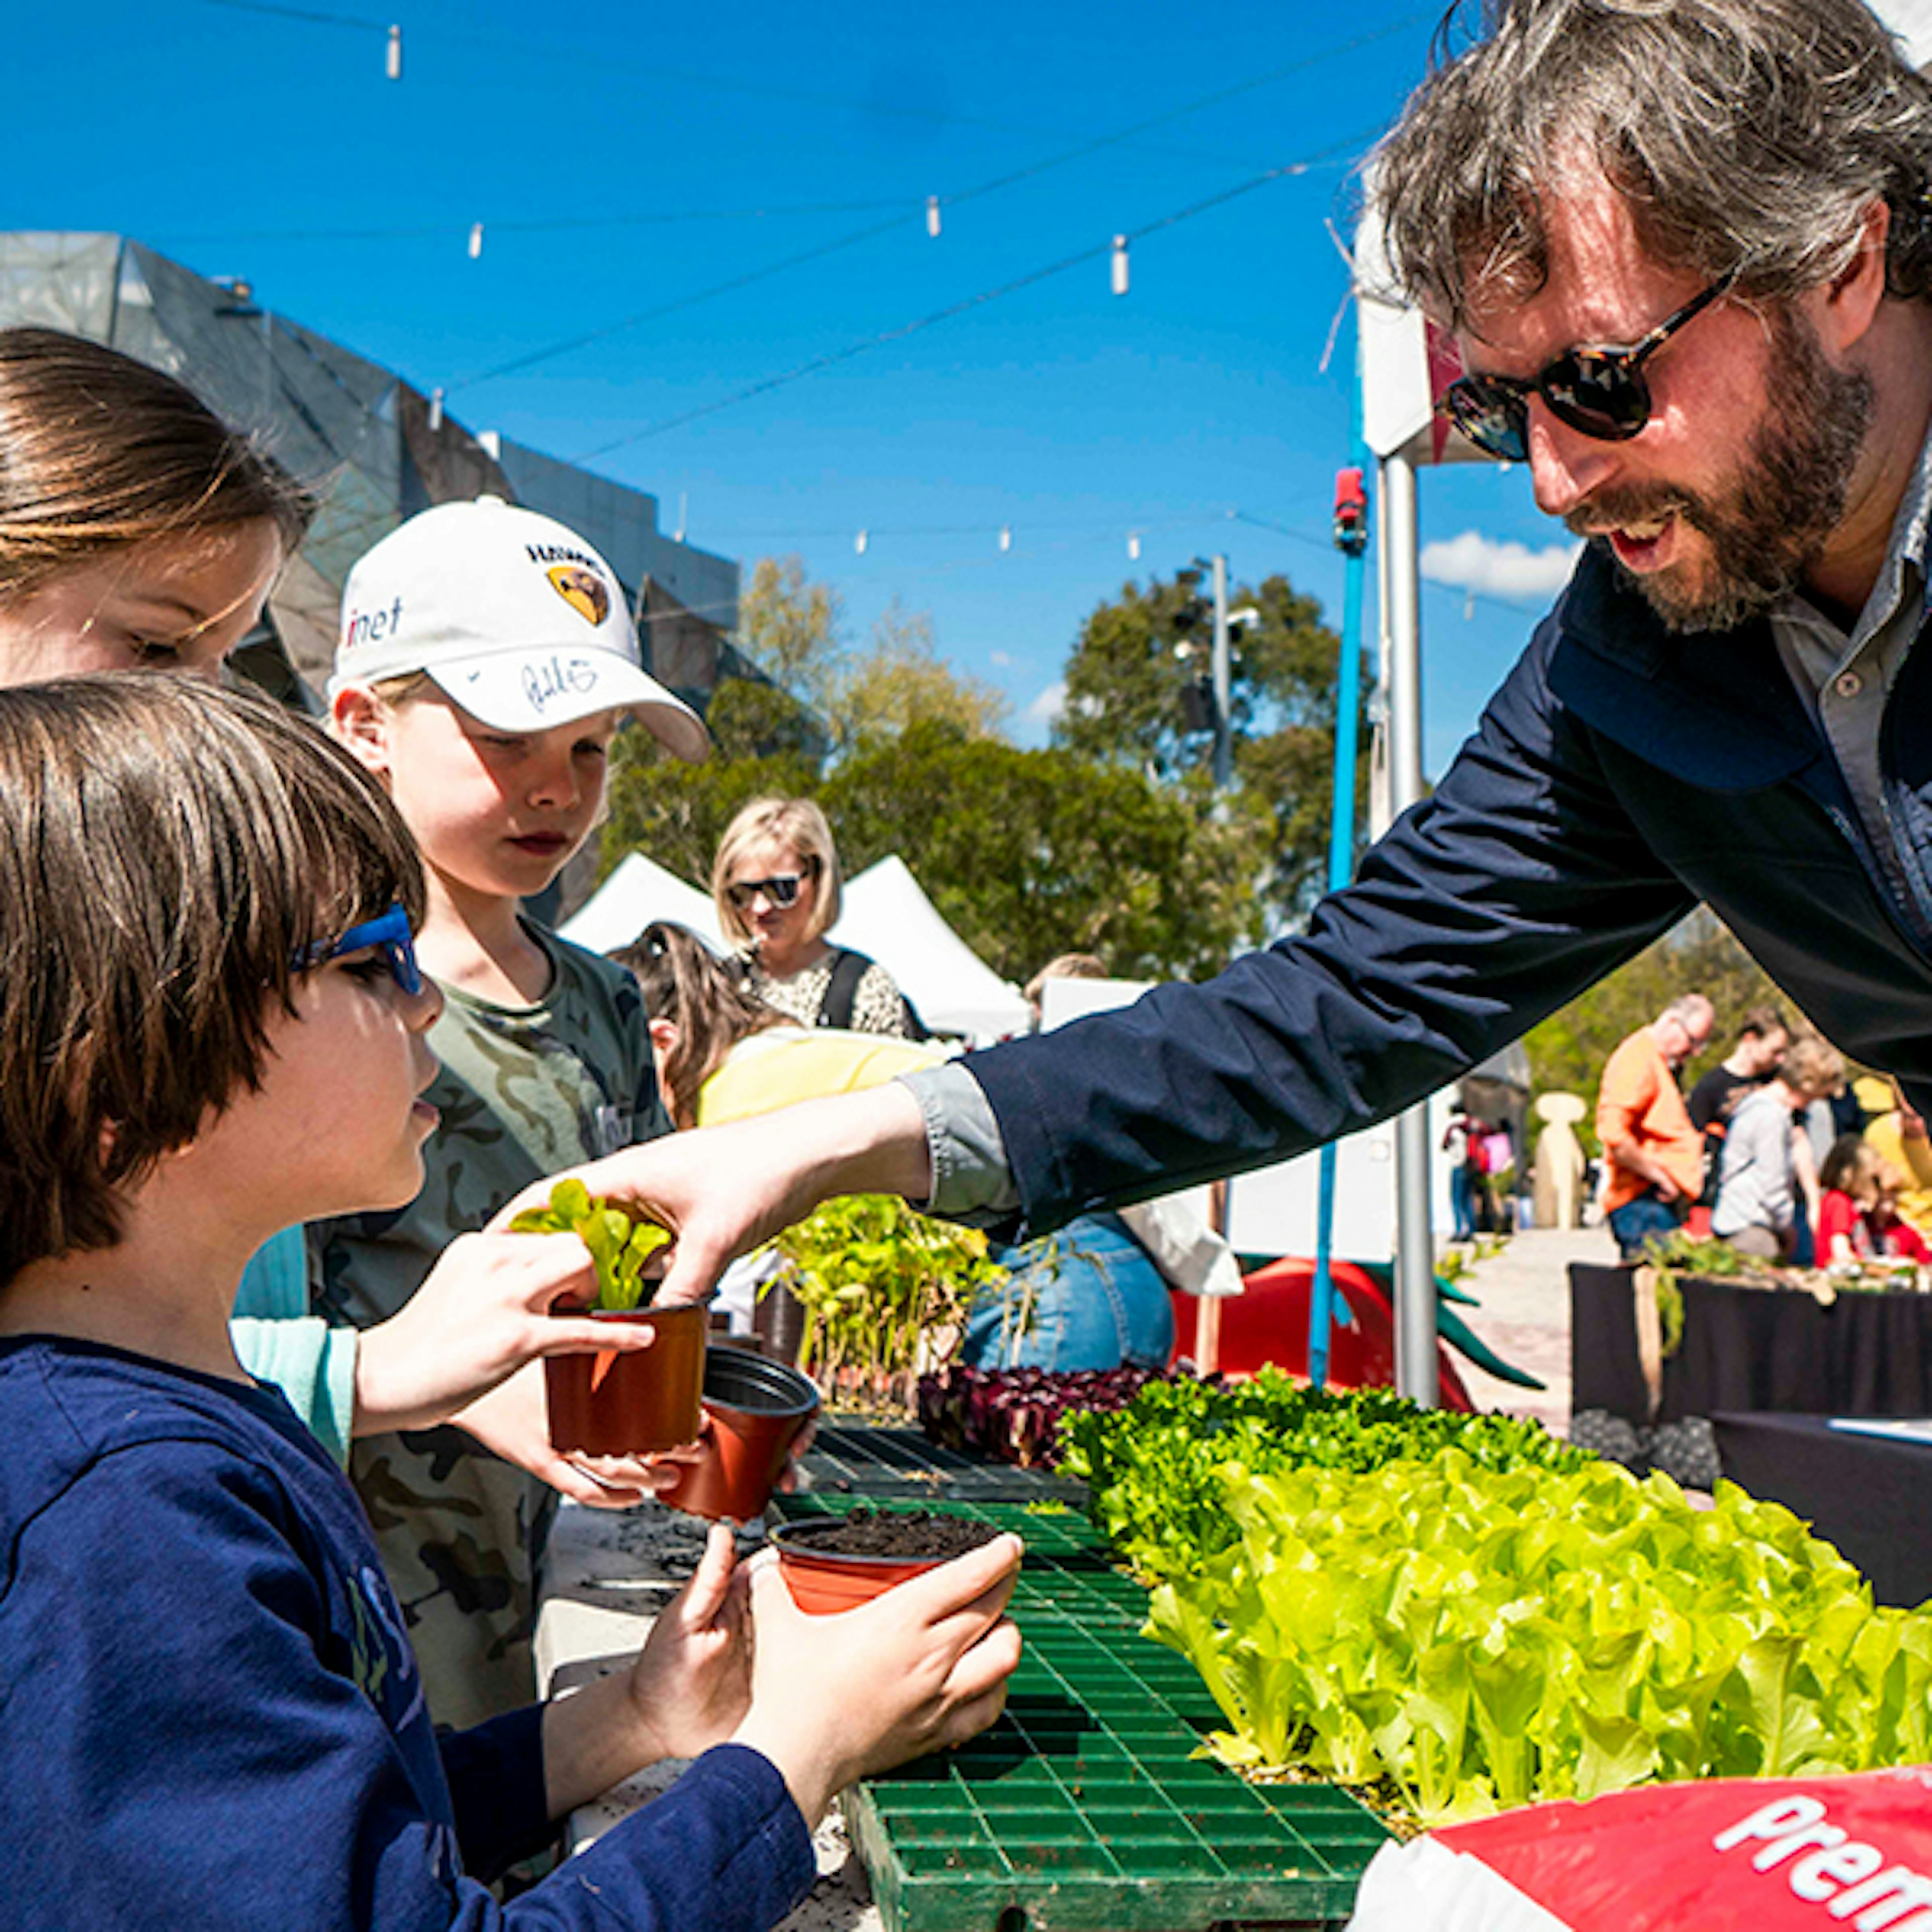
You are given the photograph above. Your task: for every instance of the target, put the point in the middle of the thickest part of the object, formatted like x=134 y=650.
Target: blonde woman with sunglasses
x=775 y=883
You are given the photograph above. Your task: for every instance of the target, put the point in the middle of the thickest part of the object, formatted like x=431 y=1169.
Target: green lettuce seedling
x=619 y=1245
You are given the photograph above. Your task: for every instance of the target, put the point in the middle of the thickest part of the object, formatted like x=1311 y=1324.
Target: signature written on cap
x=557 y=676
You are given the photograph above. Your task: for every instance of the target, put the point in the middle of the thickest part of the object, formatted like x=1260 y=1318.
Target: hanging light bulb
x=476 y=240
x=435 y=410
x=1133 y=546
x=1005 y=537
x=392 y=61
x=859 y=542
x=1120 y=264
x=932 y=216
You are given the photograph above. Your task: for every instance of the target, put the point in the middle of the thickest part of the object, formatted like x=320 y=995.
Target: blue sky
x=631 y=161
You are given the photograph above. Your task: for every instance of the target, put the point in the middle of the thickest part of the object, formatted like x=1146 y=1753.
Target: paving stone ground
x=1523 y=1294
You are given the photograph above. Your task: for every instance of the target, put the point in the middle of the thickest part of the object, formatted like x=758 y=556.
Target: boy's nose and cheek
x=423 y=1008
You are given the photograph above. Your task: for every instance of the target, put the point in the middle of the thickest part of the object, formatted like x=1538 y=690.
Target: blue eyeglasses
x=389 y=935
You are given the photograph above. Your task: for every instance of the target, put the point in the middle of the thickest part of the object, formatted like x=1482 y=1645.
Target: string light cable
x=922 y=208
x=832 y=358
x=313 y=17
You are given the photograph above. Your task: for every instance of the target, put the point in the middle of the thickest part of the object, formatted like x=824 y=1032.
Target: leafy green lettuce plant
x=1155 y=1470
x=885 y=1291
x=620 y=1246
x=1488 y=1637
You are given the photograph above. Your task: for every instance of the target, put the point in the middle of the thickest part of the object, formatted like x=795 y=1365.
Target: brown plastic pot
x=754 y=1410
x=636 y=1403
x=824 y=1582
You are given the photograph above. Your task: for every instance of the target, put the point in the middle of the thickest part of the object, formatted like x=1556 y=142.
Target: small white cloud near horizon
x=1002 y=659
x=1498 y=568
x=1046 y=708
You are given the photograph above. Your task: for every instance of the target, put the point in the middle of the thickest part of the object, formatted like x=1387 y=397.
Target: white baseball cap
x=517 y=618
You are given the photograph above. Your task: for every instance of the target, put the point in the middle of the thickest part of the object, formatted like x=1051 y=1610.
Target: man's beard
x=1789 y=495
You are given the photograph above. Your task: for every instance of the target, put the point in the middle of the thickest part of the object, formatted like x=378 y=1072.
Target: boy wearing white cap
x=485 y=661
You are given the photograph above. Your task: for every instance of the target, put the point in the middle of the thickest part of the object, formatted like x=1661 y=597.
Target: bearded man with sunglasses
x=1687 y=253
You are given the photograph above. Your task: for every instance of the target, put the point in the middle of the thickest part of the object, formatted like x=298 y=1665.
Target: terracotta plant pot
x=823 y=1581
x=633 y=1404
x=754 y=1409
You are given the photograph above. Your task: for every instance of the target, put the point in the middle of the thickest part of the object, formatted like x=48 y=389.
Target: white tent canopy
x=885 y=915
x=888 y=916
x=638 y=891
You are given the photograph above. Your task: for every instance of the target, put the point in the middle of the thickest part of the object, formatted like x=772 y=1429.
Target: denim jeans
x=1635 y=1221
x=1087 y=1298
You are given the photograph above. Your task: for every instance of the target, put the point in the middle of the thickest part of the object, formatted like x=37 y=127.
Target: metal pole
x=1224 y=734
x=1341 y=868
x=1416 y=1373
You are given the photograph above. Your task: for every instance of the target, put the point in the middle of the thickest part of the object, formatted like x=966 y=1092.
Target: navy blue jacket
x=210 y=1716
x=1620 y=775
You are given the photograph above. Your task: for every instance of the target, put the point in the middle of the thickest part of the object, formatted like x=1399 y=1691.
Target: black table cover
x=1869 y=1495
x=1753 y=1349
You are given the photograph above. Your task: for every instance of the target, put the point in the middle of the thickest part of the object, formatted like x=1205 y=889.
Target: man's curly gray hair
x=1750 y=135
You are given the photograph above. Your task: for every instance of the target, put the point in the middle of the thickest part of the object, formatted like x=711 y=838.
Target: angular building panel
x=362 y=438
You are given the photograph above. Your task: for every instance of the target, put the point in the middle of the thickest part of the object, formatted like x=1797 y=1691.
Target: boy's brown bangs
x=167 y=850
x=358 y=859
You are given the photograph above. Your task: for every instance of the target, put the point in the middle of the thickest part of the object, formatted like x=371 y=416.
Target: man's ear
x=360 y=721
x=1846 y=305
x=664 y=1037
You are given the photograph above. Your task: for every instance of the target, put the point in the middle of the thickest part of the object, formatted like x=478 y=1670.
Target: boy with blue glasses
x=212 y=1717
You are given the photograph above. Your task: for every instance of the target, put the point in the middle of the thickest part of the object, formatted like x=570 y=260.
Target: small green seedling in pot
x=620 y=1246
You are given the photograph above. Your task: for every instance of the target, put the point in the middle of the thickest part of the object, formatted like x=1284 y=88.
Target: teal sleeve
x=278 y=1341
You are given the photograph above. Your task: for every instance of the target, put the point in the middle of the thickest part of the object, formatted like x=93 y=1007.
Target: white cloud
x=1046 y=708
x=1002 y=659
x=1473 y=562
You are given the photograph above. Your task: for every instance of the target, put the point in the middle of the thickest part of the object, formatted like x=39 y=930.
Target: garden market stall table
x=1868 y=1353
x=1869 y=1495
x=1084 y=1807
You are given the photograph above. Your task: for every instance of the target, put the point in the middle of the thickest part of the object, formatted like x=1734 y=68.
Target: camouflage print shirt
x=523 y=1091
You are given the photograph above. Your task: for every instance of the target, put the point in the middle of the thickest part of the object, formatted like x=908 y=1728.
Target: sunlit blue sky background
x=626 y=160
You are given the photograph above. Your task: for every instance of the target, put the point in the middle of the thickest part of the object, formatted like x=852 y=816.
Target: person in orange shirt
x=1655 y=1157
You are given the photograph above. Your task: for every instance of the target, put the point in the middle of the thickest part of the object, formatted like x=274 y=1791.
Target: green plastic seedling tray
x=901 y=1464
x=1084 y=1807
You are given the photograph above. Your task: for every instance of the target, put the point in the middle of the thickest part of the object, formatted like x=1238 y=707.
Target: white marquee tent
x=885 y=914
x=637 y=891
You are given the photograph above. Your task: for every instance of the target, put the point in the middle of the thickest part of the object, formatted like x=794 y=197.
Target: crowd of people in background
x=1774 y=1151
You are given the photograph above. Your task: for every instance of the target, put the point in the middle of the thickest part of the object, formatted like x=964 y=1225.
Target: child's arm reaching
x=464 y=1349
x=826 y=1699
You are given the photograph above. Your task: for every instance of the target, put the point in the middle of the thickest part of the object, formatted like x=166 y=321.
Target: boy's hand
x=513 y=1420
x=691 y=1685
x=924 y=1665
x=481 y=1313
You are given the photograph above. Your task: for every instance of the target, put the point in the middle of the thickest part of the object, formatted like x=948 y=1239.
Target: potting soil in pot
x=912 y=1533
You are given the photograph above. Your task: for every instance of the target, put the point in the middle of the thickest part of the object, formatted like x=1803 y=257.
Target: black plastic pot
x=754 y=1410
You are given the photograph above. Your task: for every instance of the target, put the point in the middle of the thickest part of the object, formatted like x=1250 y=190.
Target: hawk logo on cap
x=582 y=590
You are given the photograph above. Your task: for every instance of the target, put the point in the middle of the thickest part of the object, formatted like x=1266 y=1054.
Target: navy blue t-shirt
x=210 y=1715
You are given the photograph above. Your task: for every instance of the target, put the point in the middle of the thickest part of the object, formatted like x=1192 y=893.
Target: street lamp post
x=1220 y=670
x=1223 y=677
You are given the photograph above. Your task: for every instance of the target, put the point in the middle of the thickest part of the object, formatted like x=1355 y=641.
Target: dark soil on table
x=919 y=1532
